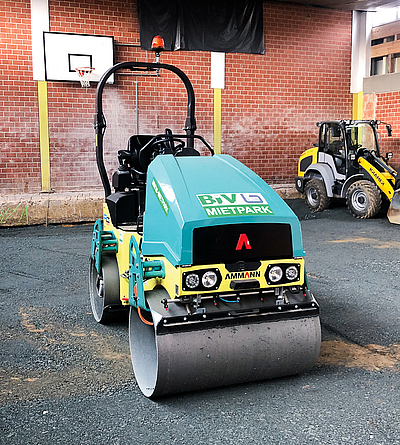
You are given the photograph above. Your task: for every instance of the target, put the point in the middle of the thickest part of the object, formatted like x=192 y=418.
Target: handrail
x=100 y=122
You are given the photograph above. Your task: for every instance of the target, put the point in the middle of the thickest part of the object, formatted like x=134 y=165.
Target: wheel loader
x=204 y=255
x=347 y=163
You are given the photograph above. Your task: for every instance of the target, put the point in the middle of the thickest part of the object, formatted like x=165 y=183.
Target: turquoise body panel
x=188 y=192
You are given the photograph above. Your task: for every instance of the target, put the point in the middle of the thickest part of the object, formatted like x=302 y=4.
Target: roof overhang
x=350 y=5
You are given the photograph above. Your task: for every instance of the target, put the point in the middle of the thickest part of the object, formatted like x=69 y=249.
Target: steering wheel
x=169 y=140
x=151 y=149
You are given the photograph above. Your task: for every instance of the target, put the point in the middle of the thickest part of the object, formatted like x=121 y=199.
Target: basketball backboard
x=63 y=52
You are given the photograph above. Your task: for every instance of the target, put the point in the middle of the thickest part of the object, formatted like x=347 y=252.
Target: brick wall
x=386 y=107
x=19 y=138
x=270 y=103
x=275 y=100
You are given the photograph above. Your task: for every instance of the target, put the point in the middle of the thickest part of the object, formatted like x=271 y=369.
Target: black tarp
x=210 y=25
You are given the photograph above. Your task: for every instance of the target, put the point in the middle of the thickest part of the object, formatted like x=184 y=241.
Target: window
x=377 y=66
x=385 y=48
x=396 y=62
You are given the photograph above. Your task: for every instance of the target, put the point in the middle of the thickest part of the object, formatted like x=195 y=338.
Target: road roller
x=204 y=255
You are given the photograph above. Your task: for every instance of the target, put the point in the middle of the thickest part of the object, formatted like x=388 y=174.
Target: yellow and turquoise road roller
x=206 y=257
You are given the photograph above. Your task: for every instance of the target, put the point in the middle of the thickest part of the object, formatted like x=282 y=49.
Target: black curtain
x=210 y=25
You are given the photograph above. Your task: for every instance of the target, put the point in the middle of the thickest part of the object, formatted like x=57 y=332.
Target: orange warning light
x=157 y=44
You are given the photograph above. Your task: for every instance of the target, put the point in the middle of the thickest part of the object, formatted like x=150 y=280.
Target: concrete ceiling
x=358 y=5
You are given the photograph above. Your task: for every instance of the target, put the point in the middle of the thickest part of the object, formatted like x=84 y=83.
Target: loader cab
x=361 y=134
x=332 y=146
x=341 y=141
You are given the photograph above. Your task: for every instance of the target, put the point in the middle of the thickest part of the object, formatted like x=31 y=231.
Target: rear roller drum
x=104 y=290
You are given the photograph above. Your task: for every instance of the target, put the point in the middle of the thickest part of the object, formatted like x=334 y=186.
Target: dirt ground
x=65 y=377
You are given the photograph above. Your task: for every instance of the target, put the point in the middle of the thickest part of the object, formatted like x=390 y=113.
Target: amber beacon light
x=157 y=44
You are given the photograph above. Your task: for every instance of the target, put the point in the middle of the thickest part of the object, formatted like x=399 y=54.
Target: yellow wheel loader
x=347 y=163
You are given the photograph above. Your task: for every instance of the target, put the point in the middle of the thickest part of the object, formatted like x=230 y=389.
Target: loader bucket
x=394 y=208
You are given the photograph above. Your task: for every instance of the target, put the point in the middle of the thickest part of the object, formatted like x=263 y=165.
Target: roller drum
x=203 y=356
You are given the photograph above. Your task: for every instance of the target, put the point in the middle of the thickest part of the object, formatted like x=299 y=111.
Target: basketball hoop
x=84 y=73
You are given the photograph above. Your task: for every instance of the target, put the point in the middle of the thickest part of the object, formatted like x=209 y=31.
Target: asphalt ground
x=66 y=379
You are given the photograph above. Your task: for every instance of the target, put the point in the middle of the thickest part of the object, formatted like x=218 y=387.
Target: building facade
x=269 y=104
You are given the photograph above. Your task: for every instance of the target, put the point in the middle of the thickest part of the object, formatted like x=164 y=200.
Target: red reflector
x=157 y=44
x=243 y=241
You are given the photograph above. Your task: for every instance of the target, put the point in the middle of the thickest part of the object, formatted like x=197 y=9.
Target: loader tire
x=363 y=199
x=315 y=195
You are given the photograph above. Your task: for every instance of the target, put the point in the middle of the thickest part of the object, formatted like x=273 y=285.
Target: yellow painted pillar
x=217 y=120
x=44 y=136
x=358 y=105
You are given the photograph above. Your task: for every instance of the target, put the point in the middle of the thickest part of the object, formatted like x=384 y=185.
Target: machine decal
x=380 y=180
x=243 y=241
x=242 y=275
x=233 y=204
x=160 y=196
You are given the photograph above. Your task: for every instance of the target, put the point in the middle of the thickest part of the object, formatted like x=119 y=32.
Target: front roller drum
x=189 y=360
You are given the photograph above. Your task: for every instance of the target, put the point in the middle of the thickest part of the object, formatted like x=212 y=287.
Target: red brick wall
x=270 y=103
x=19 y=138
x=274 y=101
x=386 y=107
x=71 y=108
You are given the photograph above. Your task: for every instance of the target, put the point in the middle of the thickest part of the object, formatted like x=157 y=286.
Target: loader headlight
x=275 y=274
x=292 y=273
x=192 y=280
x=209 y=279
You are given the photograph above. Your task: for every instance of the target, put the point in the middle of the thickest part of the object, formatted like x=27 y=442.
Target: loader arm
x=369 y=162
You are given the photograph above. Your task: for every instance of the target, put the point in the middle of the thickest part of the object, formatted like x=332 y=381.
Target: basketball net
x=84 y=73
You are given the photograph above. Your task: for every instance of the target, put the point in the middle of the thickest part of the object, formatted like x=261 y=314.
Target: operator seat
x=135 y=144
